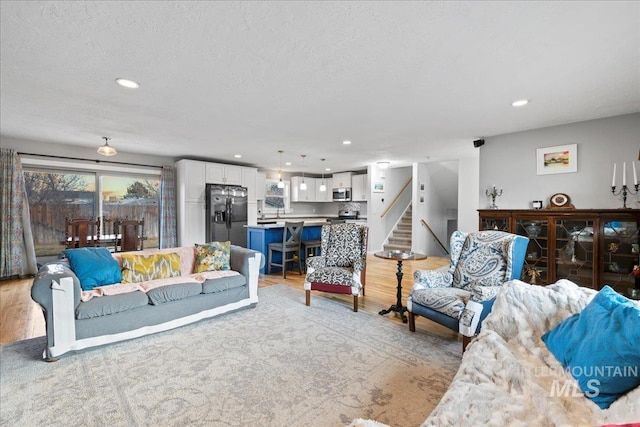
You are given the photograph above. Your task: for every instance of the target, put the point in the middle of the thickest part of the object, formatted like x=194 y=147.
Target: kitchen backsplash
x=349 y=206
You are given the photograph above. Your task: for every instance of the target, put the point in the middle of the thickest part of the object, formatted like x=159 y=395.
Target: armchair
x=461 y=297
x=341 y=266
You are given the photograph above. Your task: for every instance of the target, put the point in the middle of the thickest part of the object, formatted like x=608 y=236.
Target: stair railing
x=423 y=222
x=395 y=199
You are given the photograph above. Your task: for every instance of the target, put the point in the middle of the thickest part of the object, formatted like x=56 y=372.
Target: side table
x=398 y=256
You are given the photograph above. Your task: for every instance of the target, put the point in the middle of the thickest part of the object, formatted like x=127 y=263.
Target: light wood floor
x=21 y=318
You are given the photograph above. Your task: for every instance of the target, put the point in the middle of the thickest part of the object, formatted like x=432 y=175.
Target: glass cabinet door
x=494 y=223
x=620 y=255
x=574 y=251
x=536 y=267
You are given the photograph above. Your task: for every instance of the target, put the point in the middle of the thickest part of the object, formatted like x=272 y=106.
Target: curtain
x=168 y=223
x=17 y=252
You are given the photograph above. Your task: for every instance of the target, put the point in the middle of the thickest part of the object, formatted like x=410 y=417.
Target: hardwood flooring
x=21 y=318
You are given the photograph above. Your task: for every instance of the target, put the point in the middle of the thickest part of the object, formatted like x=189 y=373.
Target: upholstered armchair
x=340 y=267
x=462 y=296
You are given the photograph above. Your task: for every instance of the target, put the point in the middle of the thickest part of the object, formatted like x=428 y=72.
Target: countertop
x=279 y=223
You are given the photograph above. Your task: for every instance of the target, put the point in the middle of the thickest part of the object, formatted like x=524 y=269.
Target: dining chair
x=129 y=235
x=290 y=247
x=81 y=232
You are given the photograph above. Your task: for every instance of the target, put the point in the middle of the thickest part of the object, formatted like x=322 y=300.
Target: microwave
x=342 y=194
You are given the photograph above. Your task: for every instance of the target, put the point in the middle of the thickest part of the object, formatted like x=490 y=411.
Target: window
x=55 y=195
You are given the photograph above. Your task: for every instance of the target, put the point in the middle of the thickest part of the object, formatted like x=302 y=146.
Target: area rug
x=279 y=364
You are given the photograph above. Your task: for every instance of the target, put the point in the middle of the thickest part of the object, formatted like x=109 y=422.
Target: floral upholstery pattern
x=449 y=301
x=213 y=256
x=343 y=248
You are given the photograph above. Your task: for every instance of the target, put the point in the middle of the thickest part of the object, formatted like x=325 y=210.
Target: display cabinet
x=590 y=247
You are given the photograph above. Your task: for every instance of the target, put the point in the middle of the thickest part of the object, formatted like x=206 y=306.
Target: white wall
x=468 y=201
x=509 y=161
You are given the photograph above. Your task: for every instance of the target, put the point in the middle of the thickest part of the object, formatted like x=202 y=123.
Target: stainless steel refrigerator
x=226 y=214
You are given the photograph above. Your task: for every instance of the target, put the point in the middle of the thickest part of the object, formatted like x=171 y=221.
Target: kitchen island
x=259 y=236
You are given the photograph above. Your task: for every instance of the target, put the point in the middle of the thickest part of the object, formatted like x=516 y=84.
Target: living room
x=413 y=84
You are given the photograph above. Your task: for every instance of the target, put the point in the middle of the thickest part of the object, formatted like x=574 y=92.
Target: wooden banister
x=395 y=199
x=434 y=235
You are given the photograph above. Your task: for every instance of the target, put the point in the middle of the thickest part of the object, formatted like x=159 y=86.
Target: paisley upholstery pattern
x=449 y=301
x=332 y=276
x=483 y=260
x=484 y=293
x=432 y=279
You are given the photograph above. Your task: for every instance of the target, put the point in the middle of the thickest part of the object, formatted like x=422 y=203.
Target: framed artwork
x=378 y=187
x=558 y=159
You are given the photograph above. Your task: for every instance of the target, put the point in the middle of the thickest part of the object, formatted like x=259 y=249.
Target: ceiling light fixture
x=129 y=84
x=303 y=185
x=383 y=166
x=346 y=142
x=106 y=149
x=237 y=156
x=520 y=103
x=280 y=183
x=323 y=187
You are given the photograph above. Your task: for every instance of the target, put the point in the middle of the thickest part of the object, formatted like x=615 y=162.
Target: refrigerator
x=226 y=214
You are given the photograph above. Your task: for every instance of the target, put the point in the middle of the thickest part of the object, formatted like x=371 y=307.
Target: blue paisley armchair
x=340 y=268
x=462 y=296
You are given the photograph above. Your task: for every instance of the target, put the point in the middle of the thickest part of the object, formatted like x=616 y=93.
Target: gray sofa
x=73 y=324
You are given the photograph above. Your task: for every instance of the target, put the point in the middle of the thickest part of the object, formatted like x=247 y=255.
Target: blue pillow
x=600 y=347
x=94 y=267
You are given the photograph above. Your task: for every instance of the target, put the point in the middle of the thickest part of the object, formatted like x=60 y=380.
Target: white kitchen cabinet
x=191 y=224
x=249 y=181
x=327 y=195
x=298 y=195
x=190 y=177
x=359 y=188
x=261 y=182
x=342 y=180
x=218 y=173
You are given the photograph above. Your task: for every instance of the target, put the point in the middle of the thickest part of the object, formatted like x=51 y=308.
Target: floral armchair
x=461 y=297
x=341 y=266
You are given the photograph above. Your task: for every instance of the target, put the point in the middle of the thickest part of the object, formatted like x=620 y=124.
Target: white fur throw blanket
x=508 y=377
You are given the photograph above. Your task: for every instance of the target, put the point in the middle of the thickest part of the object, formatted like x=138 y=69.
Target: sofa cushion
x=600 y=346
x=93 y=266
x=138 y=268
x=212 y=256
x=112 y=304
x=222 y=284
x=175 y=292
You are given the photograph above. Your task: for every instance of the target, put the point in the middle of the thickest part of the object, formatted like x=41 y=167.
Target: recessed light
x=327 y=169
x=127 y=83
x=288 y=163
x=237 y=156
x=346 y=142
x=520 y=103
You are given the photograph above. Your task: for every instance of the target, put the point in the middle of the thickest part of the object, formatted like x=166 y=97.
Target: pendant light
x=323 y=187
x=303 y=185
x=280 y=183
x=106 y=149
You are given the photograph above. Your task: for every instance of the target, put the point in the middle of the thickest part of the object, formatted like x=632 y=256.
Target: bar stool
x=310 y=248
x=290 y=247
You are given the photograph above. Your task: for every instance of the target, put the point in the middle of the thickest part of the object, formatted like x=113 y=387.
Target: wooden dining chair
x=81 y=232
x=129 y=234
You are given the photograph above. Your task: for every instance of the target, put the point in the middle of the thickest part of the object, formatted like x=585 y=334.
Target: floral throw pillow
x=213 y=256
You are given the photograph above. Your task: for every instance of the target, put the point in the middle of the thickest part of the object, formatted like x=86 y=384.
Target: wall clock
x=560 y=201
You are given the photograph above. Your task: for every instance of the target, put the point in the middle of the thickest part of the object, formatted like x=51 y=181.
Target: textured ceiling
x=403 y=81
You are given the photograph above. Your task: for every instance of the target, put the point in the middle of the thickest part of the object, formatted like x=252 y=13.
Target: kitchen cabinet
x=590 y=247
x=261 y=182
x=249 y=176
x=342 y=180
x=327 y=195
x=218 y=173
x=359 y=188
x=298 y=195
x=191 y=224
x=190 y=177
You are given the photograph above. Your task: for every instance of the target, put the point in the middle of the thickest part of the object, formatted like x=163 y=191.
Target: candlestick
x=624 y=173
x=635 y=177
x=493 y=194
x=613 y=180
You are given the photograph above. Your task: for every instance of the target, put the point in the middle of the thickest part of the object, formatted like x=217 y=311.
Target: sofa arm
x=484 y=293
x=248 y=263
x=433 y=279
x=315 y=262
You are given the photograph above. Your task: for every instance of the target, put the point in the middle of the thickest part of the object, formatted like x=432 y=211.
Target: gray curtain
x=168 y=223
x=17 y=252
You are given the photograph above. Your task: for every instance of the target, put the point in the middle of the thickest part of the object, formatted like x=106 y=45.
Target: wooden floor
x=21 y=318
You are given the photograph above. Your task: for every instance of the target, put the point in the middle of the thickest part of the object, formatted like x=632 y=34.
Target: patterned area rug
x=279 y=364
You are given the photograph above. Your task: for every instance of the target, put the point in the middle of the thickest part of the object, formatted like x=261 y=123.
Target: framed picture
x=378 y=187
x=558 y=159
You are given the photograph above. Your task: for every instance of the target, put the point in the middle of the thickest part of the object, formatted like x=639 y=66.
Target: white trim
x=92 y=167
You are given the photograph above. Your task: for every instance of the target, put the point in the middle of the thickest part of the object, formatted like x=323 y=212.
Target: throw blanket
x=123 y=288
x=507 y=373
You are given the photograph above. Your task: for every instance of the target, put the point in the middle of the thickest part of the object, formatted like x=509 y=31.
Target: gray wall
x=509 y=161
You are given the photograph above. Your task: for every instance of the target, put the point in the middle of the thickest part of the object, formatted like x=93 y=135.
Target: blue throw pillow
x=600 y=347
x=94 y=267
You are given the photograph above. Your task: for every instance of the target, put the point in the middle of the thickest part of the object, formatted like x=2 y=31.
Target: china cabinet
x=591 y=247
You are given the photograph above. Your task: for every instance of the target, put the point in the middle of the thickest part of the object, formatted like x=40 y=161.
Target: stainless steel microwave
x=342 y=194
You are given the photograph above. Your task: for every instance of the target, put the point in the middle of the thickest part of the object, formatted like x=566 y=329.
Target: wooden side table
x=399 y=256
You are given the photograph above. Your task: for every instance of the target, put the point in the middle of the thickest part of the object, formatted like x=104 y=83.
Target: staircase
x=400 y=238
